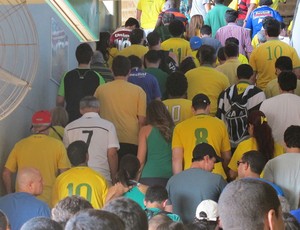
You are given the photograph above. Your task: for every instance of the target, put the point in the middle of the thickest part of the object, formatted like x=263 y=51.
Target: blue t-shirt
x=296 y=214
x=256 y=17
x=21 y=206
x=278 y=190
x=147 y=82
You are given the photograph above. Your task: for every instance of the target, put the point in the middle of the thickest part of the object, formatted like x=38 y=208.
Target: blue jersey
x=256 y=17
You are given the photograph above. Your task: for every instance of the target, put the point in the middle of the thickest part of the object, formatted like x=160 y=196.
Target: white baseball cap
x=207 y=210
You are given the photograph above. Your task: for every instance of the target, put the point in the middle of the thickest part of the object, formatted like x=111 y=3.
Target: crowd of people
x=186 y=117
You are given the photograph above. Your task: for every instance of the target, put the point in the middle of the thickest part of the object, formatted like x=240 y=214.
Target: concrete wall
x=42 y=96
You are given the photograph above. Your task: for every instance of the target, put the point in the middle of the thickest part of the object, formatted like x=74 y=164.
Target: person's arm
x=207 y=7
x=226 y=155
x=60 y=101
x=115 y=191
x=251 y=7
x=142 y=146
x=141 y=121
x=112 y=158
x=138 y=15
x=177 y=159
x=6 y=176
x=232 y=174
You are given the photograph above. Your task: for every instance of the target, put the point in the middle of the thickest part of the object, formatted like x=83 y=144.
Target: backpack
x=167 y=63
x=236 y=117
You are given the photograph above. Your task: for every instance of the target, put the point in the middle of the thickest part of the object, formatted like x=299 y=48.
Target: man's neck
x=292 y=150
x=83 y=66
x=156 y=47
x=120 y=78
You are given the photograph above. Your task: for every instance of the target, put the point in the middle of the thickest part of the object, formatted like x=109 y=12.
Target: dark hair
x=244 y=71
x=206 y=55
x=265 y=2
x=176 y=28
x=206 y=29
x=95 y=219
x=187 y=64
x=129 y=211
x=272 y=27
x=68 y=207
x=41 y=223
x=256 y=161
x=176 y=84
x=219 y=1
x=135 y=61
x=245 y=200
x=221 y=54
x=262 y=133
x=136 y=36
x=153 y=56
x=200 y=101
x=292 y=136
x=77 y=152
x=84 y=53
x=103 y=44
x=171 y=225
x=284 y=63
x=232 y=40
x=290 y=222
x=153 y=38
x=156 y=193
x=231 y=50
x=202 y=225
x=158 y=116
x=231 y=16
x=265 y=20
x=128 y=169
x=121 y=66
x=3 y=221
x=132 y=22
x=287 y=80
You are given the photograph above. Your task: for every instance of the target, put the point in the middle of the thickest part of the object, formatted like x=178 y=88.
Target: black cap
x=203 y=149
x=200 y=99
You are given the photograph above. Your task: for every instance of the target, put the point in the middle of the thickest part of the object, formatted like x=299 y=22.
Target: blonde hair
x=59 y=116
x=195 y=25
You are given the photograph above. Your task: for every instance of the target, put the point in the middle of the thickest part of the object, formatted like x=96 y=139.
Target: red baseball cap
x=42 y=117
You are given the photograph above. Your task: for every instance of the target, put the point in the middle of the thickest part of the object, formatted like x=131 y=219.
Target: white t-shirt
x=198 y=7
x=99 y=134
x=281 y=111
x=284 y=171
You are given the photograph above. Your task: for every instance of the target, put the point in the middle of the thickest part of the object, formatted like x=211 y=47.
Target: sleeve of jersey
x=176 y=142
x=113 y=141
x=268 y=172
x=249 y=22
x=225 y=143
x=235 y=157
x=295 y=59
x=139 y=5
x=142 y=103
x=156 y=90
x=252 y=61
x=61 y=89
x=11 y=163
x=63 y=160
x=55 y=191
x=278 y=17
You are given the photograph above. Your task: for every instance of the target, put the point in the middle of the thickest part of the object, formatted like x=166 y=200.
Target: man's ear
x=271 y=220
x=164 y=203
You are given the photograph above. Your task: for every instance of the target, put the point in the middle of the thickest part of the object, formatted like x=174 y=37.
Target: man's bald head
x=30 y=180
